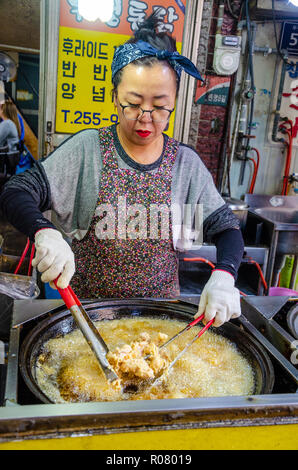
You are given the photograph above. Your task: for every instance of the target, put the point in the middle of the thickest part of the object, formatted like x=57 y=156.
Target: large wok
x=62 y=323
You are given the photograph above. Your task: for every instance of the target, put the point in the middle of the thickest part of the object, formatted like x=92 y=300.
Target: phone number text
x=86 y=117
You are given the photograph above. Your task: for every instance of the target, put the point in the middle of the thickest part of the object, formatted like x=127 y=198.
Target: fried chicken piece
x=139 y=360
x=162 y=337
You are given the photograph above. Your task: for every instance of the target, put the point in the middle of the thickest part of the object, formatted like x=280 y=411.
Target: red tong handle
x=206 y=327
x=74 y=296
x=67 y=295
x=194 y=322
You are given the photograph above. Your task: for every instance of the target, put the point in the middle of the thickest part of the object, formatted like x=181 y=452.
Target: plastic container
x=275 y=291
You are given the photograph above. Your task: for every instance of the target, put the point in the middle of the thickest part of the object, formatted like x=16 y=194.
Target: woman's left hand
x=220 y=299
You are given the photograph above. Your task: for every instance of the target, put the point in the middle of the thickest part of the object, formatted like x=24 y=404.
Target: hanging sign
x=86 y=49
x=214 y=91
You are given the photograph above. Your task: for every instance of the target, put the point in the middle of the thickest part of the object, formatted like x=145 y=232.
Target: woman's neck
x=142 y=154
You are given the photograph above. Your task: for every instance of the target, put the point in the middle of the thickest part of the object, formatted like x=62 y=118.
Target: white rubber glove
x=53 y=256
x=220 y=299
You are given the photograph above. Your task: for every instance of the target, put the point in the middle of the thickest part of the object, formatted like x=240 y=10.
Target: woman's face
x=149 y=87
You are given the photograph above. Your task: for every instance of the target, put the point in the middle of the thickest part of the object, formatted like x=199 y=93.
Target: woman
x=10 y=129
x=104 y=185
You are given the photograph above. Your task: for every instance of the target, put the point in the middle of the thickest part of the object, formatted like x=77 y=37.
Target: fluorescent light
x=295 y=2
x=92 y=10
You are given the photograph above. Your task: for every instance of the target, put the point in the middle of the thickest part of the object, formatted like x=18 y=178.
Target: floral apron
x=129 y=265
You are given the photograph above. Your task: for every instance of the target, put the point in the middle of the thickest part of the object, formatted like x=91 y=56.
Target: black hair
x=148 y=31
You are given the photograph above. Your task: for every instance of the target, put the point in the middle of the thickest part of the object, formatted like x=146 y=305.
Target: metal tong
x=190 y=325
x=92 y=336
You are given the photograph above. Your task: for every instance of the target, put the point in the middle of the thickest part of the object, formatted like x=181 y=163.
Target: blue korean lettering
x=136 y=13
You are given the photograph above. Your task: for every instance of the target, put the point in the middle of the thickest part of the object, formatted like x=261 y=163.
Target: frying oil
x=67 y=371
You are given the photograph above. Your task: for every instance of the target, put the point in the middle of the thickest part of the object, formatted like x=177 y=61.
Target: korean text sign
x=86 y=49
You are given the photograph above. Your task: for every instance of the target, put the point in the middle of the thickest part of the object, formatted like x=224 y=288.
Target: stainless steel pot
x=63 y=323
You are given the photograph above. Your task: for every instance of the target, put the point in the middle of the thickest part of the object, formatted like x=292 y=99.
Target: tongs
x=92 y=336
x=188 y=327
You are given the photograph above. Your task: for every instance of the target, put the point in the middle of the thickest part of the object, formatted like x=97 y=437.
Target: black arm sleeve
x=24 y=198
x=230 y=249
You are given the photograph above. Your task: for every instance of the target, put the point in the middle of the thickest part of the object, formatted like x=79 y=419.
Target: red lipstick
x=143 y=133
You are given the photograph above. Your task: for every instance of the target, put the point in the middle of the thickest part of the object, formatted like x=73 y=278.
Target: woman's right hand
x=53 y=256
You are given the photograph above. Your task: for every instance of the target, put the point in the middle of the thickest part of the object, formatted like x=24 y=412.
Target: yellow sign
x=84 y=82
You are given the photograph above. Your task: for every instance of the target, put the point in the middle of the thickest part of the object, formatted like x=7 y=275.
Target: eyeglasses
x=133 y=112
